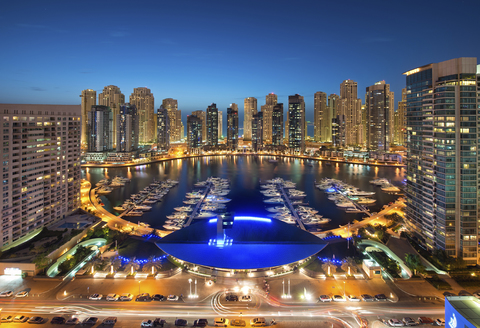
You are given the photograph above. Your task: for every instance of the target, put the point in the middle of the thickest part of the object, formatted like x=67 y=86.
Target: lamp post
x=344 y=288
x=196 y=288
x=190 y=283
x=139 y=286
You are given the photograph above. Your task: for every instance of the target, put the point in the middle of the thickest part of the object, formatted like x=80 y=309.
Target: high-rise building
x=338 y=131
x=277 y=125
x=442 y=163
x=267 y=110
x=257 y=132
x=89 y=99
x=212 y=125
x=380 y=108
x=220 y=124
x=320 y=114
x=203 y=117
x=350 y=106
x=232 y=128
x=329 y=115
x=163 y=129
x=143 y=99
x=296 y=124
x=401 y=124
x=100 y=129
x=171 y=105
x=41 y=168
x=249 y=109
x=194 y=134
x=113 y=98
x=127 y=128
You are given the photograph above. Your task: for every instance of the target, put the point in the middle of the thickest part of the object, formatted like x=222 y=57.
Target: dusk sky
x=201 y=52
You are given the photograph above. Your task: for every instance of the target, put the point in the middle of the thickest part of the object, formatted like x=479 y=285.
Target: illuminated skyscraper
x=113 y=98
x=220 y=124
x=257 y=132
x=212 y=125
x=100 y=129
x=320 y=117
x=350 y=106
x=249 y=109
x=232 y=128
x=379 y=104
x=277 y=125
x=163 y=130
x=143 y=99
x=175 y=117
x=127 y=128
x=194 y=134
x=296 y=124
x=442 y=163
x=330 y=114
x=203 y=117
x=267 y=110
x=89 y=99
x=401 y=123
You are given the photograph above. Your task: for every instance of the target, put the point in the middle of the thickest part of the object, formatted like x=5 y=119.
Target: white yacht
x=183 y=209
x=278 y=209
x=205 y=214
x=364 y=200
x=379 y=181
x=191 y=201
x=142 y=207
x=119 y=208
x=344 y=204
x=274 y=200
x=134 y=213
x=194 y=194
x=216 y=199
x=104 y=190
x=390 y=188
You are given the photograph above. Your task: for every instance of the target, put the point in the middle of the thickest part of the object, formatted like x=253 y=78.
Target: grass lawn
x=315 y=266
x=140 y=249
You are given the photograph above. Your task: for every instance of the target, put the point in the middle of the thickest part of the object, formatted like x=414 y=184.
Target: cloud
x=37 y=89
x=377 y=40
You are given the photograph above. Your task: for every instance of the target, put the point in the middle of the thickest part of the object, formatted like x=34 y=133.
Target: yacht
x=273 y=200
x=379 y=181
x=173 y=226
x=102 y=182
x=183 y=209
x=142 y=207
x=201 y=184
x=271 y=194
x=120 y=208
x=104 y=190
x=364 y=200
x=315 y=221
x=134 y=213
x=205 y=214
x=344 y=204
x=191 y=201
x=149 y=201
x=194 y=194
x=268 y=186
x=353 y=210
x=216 y=199
x=177 y=216
x=278 y=209
x=390 y=188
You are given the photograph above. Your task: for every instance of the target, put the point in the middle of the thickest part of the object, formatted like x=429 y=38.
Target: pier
x=290 y=207
x=197 y=207
x=359 y=207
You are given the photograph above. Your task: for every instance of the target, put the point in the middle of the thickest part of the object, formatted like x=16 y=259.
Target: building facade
x=379 y=105
x=163 y=130
x=220 y=124
x=194 y=134
x=89 y=99
x=442 y=145
x=350 y=107
x=232 y=128
x=267 y=110
x=257 y=132
x=249 y=109
x=277 y=125
x=175 y=118
x=100 y=129
x=112 y=97
x=331 y=113
x=401 y=124
x=143 y=99
x=212 y=125
x=41 y=167
x=296 y=124
x=127 y=128
x=203 y=117
x=320 y=113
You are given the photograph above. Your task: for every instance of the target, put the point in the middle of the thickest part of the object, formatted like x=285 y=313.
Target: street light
x=190 y=283
x=139 y=286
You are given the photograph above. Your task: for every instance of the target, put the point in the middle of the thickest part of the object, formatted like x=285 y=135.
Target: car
x=425 y=320
x=144 y=297
x=112 y=297
x=464 y=293
x=109 y=321
x=181 y=322
x=220 y=322
x=325 y=298
x=95 y=297
x=72 y=321
x=439 y=322
x=8 y=318
x=147 y=323
x=20 y=318
x=367 y=298
x=200 y=323
x=246 y=298
x=158 y=297
x=58 y=320
x=409 y=321
x=23 y=293
x=172 y=298
x=90 y=321
x=6 y=293
x=126 y=297
x=477 y=295
x=381 y=297
x=36 y=320
x=339 y=298
x=448 y=294
x=258 y=322
x=159 y=322
x=237 y=323
x=395 y=323
x=353 y=298
x=231 y=298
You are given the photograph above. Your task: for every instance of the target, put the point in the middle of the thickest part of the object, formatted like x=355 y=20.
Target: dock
x=359 y=207
x=197 y=207
x=290 y=207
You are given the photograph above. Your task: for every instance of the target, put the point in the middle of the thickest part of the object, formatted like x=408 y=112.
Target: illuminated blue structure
x=246 y=244
x=462 y=312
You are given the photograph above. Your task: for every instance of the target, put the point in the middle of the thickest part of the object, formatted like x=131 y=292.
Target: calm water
x=245 y=174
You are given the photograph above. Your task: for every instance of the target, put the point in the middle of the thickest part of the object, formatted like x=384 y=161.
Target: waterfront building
x=175 y=117
x=320 y=113
x=338 y=131
x=364 y=123
x=296 y=124
x=112 y=97
x=220 y=124
x=203 y=117
x=257 y=132
x=350 y=107
x=41 y=182
x=232 y=127
x=89 y=99
x=249 y=109
x=330 y=114
x=277 y=125
x=127 y=128
x=401 y=124
x=163 y=130
x=194 y=134
x=100 y=129
x=143 y=99
x=442 y=163
x=212 y=125
x=267 y=110
x=379 y=105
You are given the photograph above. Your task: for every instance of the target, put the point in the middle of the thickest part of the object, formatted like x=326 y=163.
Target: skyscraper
x=143 y=99
x=277 y=125
x=220 y=124
x=203 y=117
x=212 y=125
x=331 y=113
x=267 y=110
x=442 y=143
x=320 y=115
x=194 y=134
x=232 y=128
x=249 y=109
x=257 y=132
x=113 y=98
x=175 y=117
x=89 y=99
x=401 y=126
x=380 y=107
x=296 y=124
x=163 y=129
x=100 y=129
x=127 y=128
x=350 y=106
x=41 y=168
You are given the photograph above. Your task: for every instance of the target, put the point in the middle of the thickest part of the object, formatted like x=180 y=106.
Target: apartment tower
x=163 y=129
x=296 y=124
x=350 y=107
x=143 y=99
x=320 y=114
x=194 y=134
x=401 y=124
x=267 y=110
x=89 y=99
x=127 y=128
x=203 y=117
x=220 y=124
x=379 y=105
x=212 y=125
x=257 y=132
x=232 y=128
x=100 y=129
x=277 y=125
x=112 y=97
x=249 y=109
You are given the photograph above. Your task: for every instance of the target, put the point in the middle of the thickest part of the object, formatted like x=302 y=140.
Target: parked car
x=126 y=297
x=258 y=322
x=159 y=322
x=109 y=321
x=200 y=323
x=58 y=320
x=158 y=297
x=325 y=298
x=477 y=295
x=367 y=298
x=20 y=318
x=395 y=323
x=381 y=297
x=6 y=293
x=231 y=298
x=90 y=321
x=339 y=298
x=172 y=298
x=144 y=297
x=409 y=321
x=72 y=321
x=7 y=318
x=23 y=293
x=353 y=298
x=425 y=320
x=439 y=322
x=147 y=323
x=36 y=320
x=448 y=294
x=237 y=323
x=220 y=322
x=464 y=293
x=112 y=297
x=246 y=298
x=95 y=297
x=181 y=322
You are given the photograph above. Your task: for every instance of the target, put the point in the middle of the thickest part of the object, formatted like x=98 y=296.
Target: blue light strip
x=251 y=218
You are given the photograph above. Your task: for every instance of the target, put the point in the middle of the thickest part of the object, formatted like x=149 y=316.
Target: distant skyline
x=203 y=52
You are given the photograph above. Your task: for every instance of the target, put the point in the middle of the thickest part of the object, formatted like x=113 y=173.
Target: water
x=244 y=174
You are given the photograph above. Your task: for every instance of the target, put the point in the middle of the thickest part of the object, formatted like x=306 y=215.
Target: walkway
x=197 y=207
x=290 y=207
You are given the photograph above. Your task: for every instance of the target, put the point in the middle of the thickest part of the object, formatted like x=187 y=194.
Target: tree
x=329 y=267
x=132 y=266
x=348 y=262
x=41 y=261
x=114 y=262
x=152 y=266
x=94 y=264
x=412 y=261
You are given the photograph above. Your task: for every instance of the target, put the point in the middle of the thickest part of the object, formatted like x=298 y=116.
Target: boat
x=278 y=209
x=172 y=226
x=216 y=199
x=379 y=181
x=142 y=224
x=201 y=184
x=364 y=200
x=314 y=221
x=134 y=213
x=353 y=210
x=273 y=200
x=205 y=214
x=268 y=186
x=194 y=194
x=177 y=216
x=183 y=209
x=390 y=188
x=149 y=201
x=119 y=208
x=102 y=182
x=345 y=204
x=191 y=201
x=271 y=193
x=104 y=190
x=142 y=207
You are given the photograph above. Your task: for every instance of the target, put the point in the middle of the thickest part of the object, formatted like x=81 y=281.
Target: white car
x=112 y=297
x=220 y=322
x=339 y=298
x=147 y=323
x=353 y=298
x=172 y=298
x=439 y=322
x=23 y=293
x=325 y=298
x=95 y=297
x=395 y=323
x=6 y=293
x=246 y=298
x=126 y=297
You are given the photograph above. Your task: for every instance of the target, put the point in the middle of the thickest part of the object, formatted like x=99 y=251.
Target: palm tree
x=349 y=266
x=113 y=264
x=93 y=264
x=329 y=267
x=152 y=266
x=132 y=266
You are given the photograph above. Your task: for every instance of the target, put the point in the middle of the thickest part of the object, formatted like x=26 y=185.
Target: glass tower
x=232 y=129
